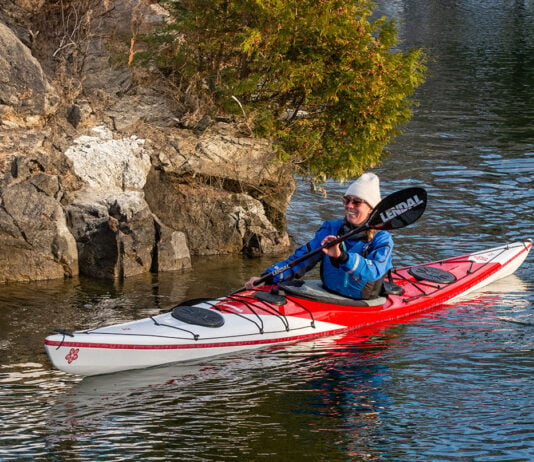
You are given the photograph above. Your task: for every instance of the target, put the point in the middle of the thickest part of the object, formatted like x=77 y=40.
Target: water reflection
x=337 y=394
x=280 y=397
x=367 y=395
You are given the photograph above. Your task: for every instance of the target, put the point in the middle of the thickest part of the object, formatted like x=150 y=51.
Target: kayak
x=278 y=314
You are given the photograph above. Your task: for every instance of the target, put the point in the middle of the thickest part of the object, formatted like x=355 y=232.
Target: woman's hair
x=369 y=234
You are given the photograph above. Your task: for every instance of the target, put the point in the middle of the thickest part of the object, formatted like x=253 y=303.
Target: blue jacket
x=365 y=262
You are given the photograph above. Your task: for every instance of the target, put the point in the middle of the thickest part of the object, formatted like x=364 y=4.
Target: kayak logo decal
x=486 y=257
x=400 y=208
x=72 y=355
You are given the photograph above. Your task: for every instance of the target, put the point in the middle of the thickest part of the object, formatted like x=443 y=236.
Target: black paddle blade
x=400 y=209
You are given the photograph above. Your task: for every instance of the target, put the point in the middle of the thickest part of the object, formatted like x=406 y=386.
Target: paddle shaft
x=310 y=254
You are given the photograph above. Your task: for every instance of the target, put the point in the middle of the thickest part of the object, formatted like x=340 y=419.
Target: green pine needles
x=321 y=78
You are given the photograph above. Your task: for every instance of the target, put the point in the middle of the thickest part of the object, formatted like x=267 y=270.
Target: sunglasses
x=351 y=199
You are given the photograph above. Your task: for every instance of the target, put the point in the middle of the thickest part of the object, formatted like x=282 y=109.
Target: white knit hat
x=366 y=187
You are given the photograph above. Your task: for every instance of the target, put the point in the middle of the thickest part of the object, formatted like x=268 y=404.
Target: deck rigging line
x=267 y=307
x=255 y=306
x=437 y=287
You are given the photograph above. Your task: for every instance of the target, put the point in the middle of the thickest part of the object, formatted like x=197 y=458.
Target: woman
x=355 y=267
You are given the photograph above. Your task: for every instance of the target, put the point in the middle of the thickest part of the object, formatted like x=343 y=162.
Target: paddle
x=397 y=210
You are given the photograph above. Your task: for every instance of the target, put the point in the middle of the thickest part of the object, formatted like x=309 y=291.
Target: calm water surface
x=454 y=384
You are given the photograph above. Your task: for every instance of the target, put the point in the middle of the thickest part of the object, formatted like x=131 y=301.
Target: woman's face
x=356 y=210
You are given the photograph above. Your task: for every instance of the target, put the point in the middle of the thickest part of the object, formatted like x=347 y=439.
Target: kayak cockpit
x=314 y=290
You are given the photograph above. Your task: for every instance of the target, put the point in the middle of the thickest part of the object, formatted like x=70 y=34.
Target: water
x=452 y=385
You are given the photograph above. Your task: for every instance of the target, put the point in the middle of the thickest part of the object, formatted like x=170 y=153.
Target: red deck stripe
x=122 y=346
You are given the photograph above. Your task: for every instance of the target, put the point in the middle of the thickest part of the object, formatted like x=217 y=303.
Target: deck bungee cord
x=219 y=306
x=468 y=259
x=258 y=304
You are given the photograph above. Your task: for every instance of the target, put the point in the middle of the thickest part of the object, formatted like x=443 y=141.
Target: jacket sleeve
x=303 y=267
x=376 y=264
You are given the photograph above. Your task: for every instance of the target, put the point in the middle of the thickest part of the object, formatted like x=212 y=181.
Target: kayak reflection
x=221 y=404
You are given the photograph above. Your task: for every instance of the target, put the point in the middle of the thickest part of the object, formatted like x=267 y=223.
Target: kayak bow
x=290 y=312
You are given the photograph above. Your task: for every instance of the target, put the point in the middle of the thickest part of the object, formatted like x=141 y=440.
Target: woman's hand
x=250 y=283
x=333 y=251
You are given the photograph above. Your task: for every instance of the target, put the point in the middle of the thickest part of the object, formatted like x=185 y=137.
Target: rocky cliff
x=104 y=170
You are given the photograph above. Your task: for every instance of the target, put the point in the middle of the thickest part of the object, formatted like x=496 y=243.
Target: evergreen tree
x=322 y=78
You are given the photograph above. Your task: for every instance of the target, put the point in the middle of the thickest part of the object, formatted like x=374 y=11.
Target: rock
x=149 y=15
x=115 y=235
x=119 y=237
x=119 y=24
x=136 y=237
x=167 y=182
x=202 y=124
x=223 y=191
x=171 y=252
x=216 y=222
x=142 y=106
x=64 y=247
x=98 y=250
x=98 y=70
x=26 y=96
x=115 y=229
x=218 y=151
x=258 y=235
x=35 y=242
x=109 y=164
x=74 y=116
